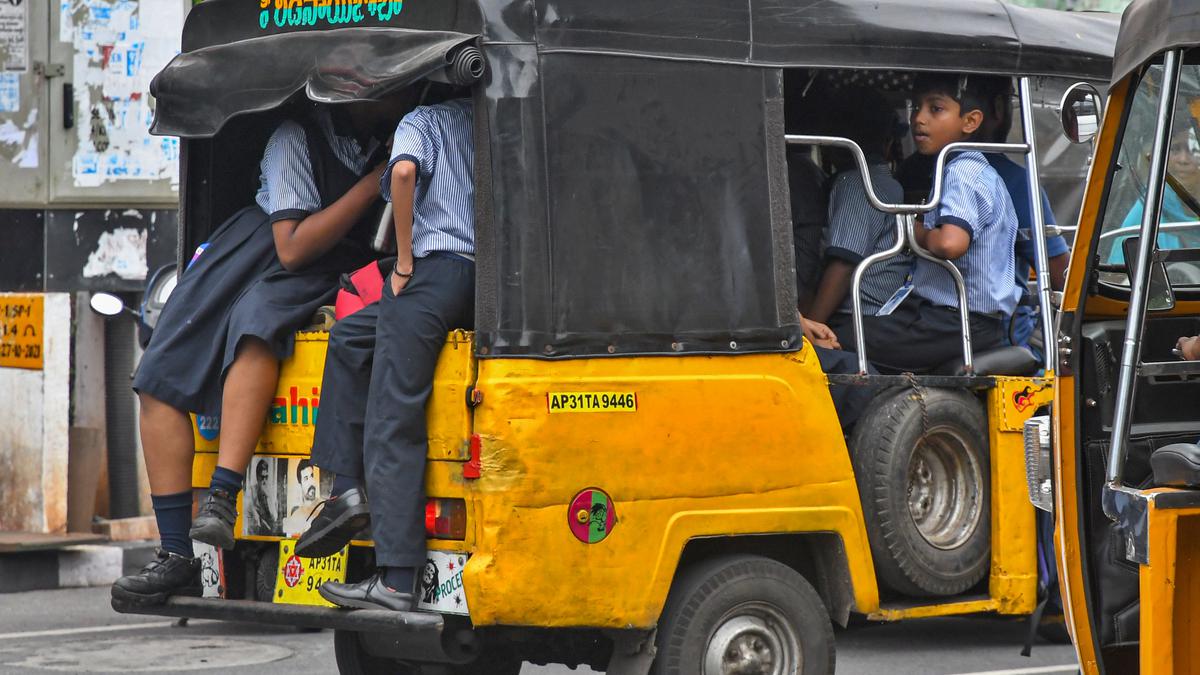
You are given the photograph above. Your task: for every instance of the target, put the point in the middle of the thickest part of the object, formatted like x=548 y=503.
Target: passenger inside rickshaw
x=856 y=97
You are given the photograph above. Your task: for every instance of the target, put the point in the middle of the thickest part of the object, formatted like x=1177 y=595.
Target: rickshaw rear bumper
x=421 y=636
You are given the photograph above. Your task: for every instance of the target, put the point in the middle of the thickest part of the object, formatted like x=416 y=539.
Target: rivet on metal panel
x=675 y=346
x=612 y=349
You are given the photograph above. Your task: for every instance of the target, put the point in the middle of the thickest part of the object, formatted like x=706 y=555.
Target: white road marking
x=1065 y=668
x=85 y=630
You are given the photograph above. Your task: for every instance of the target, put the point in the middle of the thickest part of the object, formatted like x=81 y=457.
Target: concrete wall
x=34 y=430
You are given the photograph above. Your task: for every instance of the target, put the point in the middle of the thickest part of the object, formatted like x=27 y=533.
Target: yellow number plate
x=591 y=401
x=298 y=578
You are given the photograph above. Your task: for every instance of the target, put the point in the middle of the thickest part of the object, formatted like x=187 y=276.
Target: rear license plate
x=441 y=583
x=298 y=579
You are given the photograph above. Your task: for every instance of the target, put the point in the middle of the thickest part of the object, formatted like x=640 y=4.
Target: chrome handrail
x=905 y=229
x=1131 y=352
x=1041 y=255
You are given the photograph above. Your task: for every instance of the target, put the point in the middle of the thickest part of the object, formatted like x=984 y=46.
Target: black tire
x=926 y=492
x=266 y=573
x=743 y=605
x=352 y=659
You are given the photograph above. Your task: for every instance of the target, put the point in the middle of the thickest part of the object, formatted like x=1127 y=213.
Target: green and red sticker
x=591 y=515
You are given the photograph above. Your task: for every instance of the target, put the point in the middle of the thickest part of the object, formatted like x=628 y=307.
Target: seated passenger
x=233 y=316
x=381 y=359
x=1184 y=167
x=857 y=229
x=1023 y=330
x=974 y=227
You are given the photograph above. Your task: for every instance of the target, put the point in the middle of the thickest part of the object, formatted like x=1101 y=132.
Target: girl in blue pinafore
x=232 y=318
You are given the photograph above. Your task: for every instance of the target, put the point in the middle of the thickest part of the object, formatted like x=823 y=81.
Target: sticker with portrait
x=304 y=489
x=265 y=497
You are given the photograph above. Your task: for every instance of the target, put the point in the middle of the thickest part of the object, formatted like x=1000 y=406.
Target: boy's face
x=938 y=121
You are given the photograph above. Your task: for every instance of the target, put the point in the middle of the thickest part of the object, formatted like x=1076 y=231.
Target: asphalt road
x=75 y=631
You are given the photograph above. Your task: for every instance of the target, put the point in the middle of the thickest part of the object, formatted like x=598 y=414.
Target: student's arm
x=300 y=241
x=818 y=333
x=835 y=284
x=403 y=188
x=1058 y=270
x=851 y=239
x=948 y=241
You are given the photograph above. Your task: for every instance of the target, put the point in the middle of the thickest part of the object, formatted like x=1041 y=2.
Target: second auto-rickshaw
x=635 y=462
x=1122 y=475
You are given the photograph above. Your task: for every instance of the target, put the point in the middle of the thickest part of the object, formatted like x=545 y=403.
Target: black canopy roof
x=1149 y=27
x=260 y=58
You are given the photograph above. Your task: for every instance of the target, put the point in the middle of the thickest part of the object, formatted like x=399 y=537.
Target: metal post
x=960 y=286
x=1139 y=271
x=860 y=340
x=905 y=222
x=1041 y=255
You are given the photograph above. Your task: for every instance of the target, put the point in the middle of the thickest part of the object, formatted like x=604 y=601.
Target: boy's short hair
x=970 y=92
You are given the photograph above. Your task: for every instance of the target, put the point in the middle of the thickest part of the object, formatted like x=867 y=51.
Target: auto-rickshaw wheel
x=747 y=615
x=922 y=465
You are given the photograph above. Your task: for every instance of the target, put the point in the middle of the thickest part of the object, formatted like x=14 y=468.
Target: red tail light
x=446 y=519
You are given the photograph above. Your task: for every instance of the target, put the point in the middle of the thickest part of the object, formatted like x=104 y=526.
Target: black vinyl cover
x=1149 y=27
x=980 y=36
x=331 y=66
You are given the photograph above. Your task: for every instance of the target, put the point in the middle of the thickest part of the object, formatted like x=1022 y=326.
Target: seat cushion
x=1176 y=465
x=1003 y=361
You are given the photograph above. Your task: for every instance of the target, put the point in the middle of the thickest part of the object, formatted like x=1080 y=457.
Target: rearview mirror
x=107 y=304
x=1080 y=111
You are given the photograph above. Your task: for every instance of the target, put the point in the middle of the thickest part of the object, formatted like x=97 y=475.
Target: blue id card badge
x=897 y=298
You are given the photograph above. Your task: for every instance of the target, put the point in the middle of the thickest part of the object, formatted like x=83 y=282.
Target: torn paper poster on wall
x=122 y=252
x=19 y=143
x=14 y=35
x=119 y=46
x=10 y=92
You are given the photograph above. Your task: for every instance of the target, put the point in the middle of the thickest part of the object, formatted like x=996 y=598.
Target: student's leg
x=246 y=396
x=168 y=448
x=338 y=438
x=412 y=330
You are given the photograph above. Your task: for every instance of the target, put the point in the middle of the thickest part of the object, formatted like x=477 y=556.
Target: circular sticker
x=292 y=571
x=591 y=515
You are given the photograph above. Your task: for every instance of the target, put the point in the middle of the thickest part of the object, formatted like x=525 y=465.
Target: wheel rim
x=753 y=638
x=945 y=488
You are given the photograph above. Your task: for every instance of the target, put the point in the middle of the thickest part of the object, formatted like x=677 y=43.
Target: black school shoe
x=214 y=521
x=339 y=519
x=367 y=594
x=168 y=574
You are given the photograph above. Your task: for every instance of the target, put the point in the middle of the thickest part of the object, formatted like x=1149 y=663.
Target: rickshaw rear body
x=636 y=343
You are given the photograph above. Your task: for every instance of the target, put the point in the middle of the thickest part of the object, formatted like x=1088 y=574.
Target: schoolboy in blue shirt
x=974 y=227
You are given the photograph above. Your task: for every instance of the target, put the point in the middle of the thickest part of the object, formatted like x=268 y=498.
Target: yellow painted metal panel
x=719 y=445
x=1170 y=593
x=1069 y=537
x=290 y=424
x=943 y=609
x=1012 y=579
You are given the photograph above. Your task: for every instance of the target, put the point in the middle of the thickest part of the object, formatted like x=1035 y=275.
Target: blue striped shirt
x=287 y=189
x=439 y=140
x=975 y=199
x=857 y=230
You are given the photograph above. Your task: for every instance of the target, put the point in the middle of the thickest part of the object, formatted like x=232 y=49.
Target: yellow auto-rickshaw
x=635 y=462
x=1122 y=475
